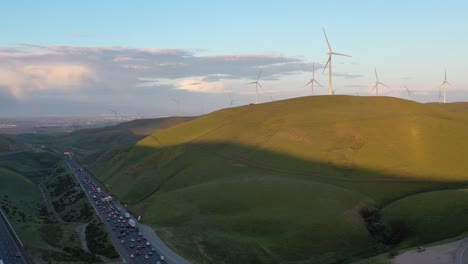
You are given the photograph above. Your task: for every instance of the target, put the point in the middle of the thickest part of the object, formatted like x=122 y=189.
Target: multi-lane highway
x=133 y=243
x=11 y=248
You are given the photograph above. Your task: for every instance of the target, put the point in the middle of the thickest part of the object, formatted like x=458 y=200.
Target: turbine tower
x=257 y=84
x=232 y=100
x=115 y=115
x=177 y=101
x=329 y=63
x=312 y=81
x=444 y=84
x=376 y=85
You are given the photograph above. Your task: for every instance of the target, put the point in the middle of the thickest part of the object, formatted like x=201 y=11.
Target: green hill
x=9 y=143
x=284 y=182
x=47 y=207
x=94 y=142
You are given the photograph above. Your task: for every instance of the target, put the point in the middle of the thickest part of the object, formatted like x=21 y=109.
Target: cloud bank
x=31 y=70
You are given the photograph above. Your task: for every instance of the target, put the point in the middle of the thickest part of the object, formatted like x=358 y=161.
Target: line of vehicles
x=123 y=225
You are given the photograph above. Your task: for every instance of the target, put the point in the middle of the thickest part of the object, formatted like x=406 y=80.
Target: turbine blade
x=326 y=38
x=384 y=84
x=260 y=85
x=258 y=78
x=328 y=61
x=317 y=83
x=251 y=82
x=340 y=54
x=376 y=77
x=308 y=83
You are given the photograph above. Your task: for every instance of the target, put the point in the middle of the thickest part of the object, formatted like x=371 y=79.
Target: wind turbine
x=177 y=101
x=409 y=92
x=444 y=84
x=232 y=100
x=312 y=81
x=376 y=85
x=257 y=84
x=115 y=115
x=329 y=63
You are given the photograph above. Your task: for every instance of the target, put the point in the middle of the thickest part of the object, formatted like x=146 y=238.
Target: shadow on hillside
x=235 y=157
x=139 y=173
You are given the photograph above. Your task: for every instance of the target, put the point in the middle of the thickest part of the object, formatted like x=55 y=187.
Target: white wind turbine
x=444 y=84
x=115 y=115
x=232 y=100
x=257 y=84
x=177 y=101
x=312 y=81
x=376 y=85
x=329 y=63
x=408 y=91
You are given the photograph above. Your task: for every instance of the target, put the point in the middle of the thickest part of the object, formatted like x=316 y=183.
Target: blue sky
x=139 y=56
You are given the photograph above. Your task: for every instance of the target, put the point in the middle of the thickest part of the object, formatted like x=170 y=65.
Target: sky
x=160 y=58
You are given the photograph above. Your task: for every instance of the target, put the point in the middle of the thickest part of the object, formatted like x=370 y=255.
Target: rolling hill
x=94 y=142
x=9 y=143
x=286 y=182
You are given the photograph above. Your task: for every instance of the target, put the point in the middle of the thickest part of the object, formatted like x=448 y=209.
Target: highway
x=461 y=255
x=11 y=248
x=134 y=245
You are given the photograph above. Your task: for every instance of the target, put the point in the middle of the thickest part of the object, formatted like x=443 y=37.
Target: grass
x=47 y=235
x=431 y=216
x=10 y=143
x=283 y=182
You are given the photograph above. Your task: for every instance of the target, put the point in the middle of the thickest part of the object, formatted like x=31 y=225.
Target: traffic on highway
x=123 y=229
x=11 y=248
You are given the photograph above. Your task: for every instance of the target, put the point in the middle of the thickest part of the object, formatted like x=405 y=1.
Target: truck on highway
x=106 y=199
x=127 y=215
x=131 y=223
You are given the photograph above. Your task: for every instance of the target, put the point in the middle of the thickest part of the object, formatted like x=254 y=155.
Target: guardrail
x=5 y=219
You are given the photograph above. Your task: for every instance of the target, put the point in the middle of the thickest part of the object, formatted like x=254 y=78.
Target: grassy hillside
x=444 y=209
x=10 y=143
x=96 y=141
x=284 y=182
x=458 y=107
x=46 y=207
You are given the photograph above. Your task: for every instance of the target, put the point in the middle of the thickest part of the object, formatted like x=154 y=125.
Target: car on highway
x=122 y=241
x=132 y=256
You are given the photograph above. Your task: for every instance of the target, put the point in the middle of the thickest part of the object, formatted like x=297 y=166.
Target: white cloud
x=36 y=68
x=197 y=85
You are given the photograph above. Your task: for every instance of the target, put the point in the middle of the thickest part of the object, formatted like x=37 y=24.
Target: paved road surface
x=10 y=245
x=112 y=214
x=461 y=257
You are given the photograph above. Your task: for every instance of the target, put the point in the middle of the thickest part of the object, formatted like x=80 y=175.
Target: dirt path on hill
x=81 y=229
x=49 y=205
